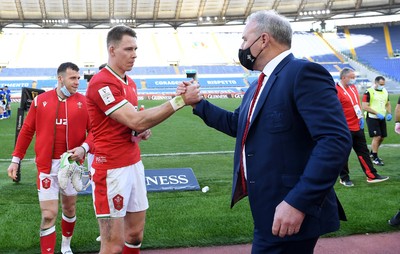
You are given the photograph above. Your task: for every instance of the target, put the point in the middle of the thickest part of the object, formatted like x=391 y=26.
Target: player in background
x=60 y=121
x=7 y=113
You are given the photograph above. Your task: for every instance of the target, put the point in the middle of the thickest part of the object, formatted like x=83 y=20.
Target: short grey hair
x=345 y=71
x=269 y=21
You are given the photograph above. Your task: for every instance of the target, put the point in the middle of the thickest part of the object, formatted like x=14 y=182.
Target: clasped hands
x=190 y=92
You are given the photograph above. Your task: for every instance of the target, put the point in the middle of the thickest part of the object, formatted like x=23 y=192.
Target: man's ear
x=111 y=49
x=265 y=37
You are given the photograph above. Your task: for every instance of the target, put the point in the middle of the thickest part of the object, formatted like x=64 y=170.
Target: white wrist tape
x=86 y=147
x=177 y=102
x=15 y=160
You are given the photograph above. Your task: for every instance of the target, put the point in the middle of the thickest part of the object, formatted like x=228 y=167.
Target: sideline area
x=383 y=243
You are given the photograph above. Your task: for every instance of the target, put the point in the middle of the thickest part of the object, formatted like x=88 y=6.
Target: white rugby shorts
x=120 y=190
x=48 y=187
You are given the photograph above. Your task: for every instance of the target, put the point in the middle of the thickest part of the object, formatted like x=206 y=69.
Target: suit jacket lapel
x=268 y=86
x=244 y=111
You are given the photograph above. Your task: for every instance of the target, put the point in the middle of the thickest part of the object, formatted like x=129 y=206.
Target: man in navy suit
x=291 y=141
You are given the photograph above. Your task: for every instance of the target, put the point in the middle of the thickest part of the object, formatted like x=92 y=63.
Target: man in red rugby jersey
x=119 y=189
x=60 y=120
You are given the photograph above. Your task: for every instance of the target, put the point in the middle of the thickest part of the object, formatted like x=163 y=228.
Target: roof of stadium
x=176 y=13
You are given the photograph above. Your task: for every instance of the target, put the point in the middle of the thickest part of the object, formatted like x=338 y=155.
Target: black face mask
x=246 y=58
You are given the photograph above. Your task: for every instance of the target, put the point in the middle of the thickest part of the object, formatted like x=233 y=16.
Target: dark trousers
x=290 y=247
x=361 y=149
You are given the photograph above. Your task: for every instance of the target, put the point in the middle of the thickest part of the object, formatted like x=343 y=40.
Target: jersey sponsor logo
x=106 y=95
x=118 y=202
x=61 y=121
x=46 y=183
x=100 y=159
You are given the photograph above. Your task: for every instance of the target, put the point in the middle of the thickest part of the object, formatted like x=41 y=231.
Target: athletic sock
x=131 y=249
x=67 y=228
x=48 y=240
x=374 y=155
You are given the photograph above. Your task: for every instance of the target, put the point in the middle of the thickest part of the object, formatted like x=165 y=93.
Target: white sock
x=66 y=241
x=66 y=244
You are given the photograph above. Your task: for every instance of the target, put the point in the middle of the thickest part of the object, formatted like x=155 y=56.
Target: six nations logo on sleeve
x=106 y=95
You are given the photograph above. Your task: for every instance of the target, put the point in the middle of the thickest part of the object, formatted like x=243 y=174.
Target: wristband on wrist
x=84 y=149
x=177 y=102
x=15 y=160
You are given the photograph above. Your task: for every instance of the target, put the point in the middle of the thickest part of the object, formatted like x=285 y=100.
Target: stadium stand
x=214 y=69
x=314 y=49
x=165 y=55
x=152 y=70
x=373 y=48
x=395 y=39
